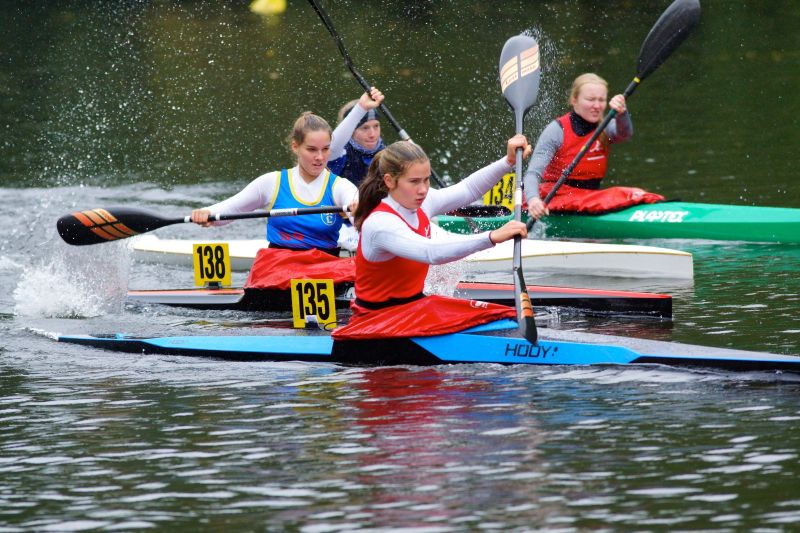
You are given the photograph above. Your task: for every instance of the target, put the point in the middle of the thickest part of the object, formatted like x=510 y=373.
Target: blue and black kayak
x=497 y=342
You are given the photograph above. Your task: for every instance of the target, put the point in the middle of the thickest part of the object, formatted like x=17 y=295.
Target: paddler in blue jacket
x=357 y=138
x=308 y=184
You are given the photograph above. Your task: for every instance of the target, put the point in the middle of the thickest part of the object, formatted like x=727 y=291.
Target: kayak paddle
x=519 y=82
x=326 y=20
x=669 y=31
x=114 y=223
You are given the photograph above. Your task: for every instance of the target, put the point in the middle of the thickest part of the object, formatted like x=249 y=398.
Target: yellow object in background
x=268 y=7
x=502 y=193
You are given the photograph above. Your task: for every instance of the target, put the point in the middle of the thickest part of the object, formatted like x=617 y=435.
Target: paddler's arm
x=549 y=142
x=259 y=193
x=476 y=184
x=344 y=131
x=621 y=128
x=387 y=236
x=345 y=194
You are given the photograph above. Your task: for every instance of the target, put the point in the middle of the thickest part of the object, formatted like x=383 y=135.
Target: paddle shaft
x=326 y=20
x=111 y=224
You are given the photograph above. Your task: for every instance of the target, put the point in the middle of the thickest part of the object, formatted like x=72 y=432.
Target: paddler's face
x=411 y=188
x=312 y=154
x=591 y=102
x=368 y=134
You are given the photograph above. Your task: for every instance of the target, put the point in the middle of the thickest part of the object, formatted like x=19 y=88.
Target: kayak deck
x=492 y=343
x=604 y=259
x=665 y=220
x=598 y=301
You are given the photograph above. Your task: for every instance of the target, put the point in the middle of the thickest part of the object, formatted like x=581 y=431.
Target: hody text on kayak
x=522 y=349
x=641 y=215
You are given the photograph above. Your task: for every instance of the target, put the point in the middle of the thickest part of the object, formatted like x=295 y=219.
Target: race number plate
x=212 y=264
x=502 y=193
x=313 y=300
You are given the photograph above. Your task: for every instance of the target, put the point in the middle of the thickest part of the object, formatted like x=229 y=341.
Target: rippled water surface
x=171 y=105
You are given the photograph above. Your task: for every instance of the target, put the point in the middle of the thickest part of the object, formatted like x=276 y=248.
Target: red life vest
x=592 y=166
x=397 y=277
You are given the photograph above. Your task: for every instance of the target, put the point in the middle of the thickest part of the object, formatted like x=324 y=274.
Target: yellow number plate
x=313 y=298
x=502 y=193
x=212 y=263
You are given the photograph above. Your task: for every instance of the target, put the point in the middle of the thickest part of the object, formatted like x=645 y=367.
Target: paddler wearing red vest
x=561 y=141
x=395 y=247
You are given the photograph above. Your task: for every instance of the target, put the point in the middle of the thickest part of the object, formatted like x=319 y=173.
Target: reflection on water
x=177 y=442
x=171 y=105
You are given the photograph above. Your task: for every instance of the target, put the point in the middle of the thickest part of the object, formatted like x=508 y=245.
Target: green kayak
x=667 y=220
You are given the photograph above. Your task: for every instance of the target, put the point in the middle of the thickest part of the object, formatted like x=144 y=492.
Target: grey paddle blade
x=520 y=74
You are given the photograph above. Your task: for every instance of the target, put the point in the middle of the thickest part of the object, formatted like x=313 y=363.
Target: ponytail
x=393 y=160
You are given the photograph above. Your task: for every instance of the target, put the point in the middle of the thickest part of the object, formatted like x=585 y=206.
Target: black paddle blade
x=108 y=224
x=669 y=31
x=520 y=74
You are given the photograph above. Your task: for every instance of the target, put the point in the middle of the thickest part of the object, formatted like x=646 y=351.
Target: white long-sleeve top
x=384 y=236
x=260 y=193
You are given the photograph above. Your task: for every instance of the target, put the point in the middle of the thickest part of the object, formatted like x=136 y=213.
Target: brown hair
x=305 y=124
x=393 y=160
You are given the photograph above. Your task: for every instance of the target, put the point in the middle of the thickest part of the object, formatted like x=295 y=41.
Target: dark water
x=169 y=105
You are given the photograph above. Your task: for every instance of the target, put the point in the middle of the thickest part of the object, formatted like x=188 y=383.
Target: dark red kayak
x=597 y=301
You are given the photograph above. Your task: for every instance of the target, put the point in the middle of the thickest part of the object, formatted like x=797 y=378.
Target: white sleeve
x=467 y=190
x=344 y=192
x=259 y=193
x=343 y=132
x=384 y=236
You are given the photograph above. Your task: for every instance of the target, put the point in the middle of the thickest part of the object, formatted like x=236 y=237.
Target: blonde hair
x=580 y=81
x=305 y=124
x=393 y=160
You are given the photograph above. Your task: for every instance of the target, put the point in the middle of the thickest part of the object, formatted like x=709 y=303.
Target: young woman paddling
x=396 y=248
x=357 y=138
x=307 y=184
x=561 y=141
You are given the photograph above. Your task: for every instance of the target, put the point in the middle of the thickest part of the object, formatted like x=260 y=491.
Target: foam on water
x=75 y=283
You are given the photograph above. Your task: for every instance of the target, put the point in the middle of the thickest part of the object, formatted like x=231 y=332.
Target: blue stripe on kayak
x=312 y=345
x=466 y=348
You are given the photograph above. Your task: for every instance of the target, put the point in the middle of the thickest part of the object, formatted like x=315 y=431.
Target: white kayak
x=564 y=257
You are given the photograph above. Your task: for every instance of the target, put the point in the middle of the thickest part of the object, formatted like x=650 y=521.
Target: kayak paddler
x=308 y=184
x=357 y=137
x=395 y=247
x=561 y=141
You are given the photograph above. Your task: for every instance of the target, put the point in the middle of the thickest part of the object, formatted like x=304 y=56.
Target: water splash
x=73 y=284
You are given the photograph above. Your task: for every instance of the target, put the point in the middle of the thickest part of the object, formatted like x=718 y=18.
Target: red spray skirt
x=596 y=202
x=428 y=316
x=273 y=268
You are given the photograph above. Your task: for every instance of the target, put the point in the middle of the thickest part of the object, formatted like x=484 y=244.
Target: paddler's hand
x=352 y=207
x=618 y=104
x=508 y=231
x=371 y=100
x=517 y=141
x=200 y=217
x=537 y=209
